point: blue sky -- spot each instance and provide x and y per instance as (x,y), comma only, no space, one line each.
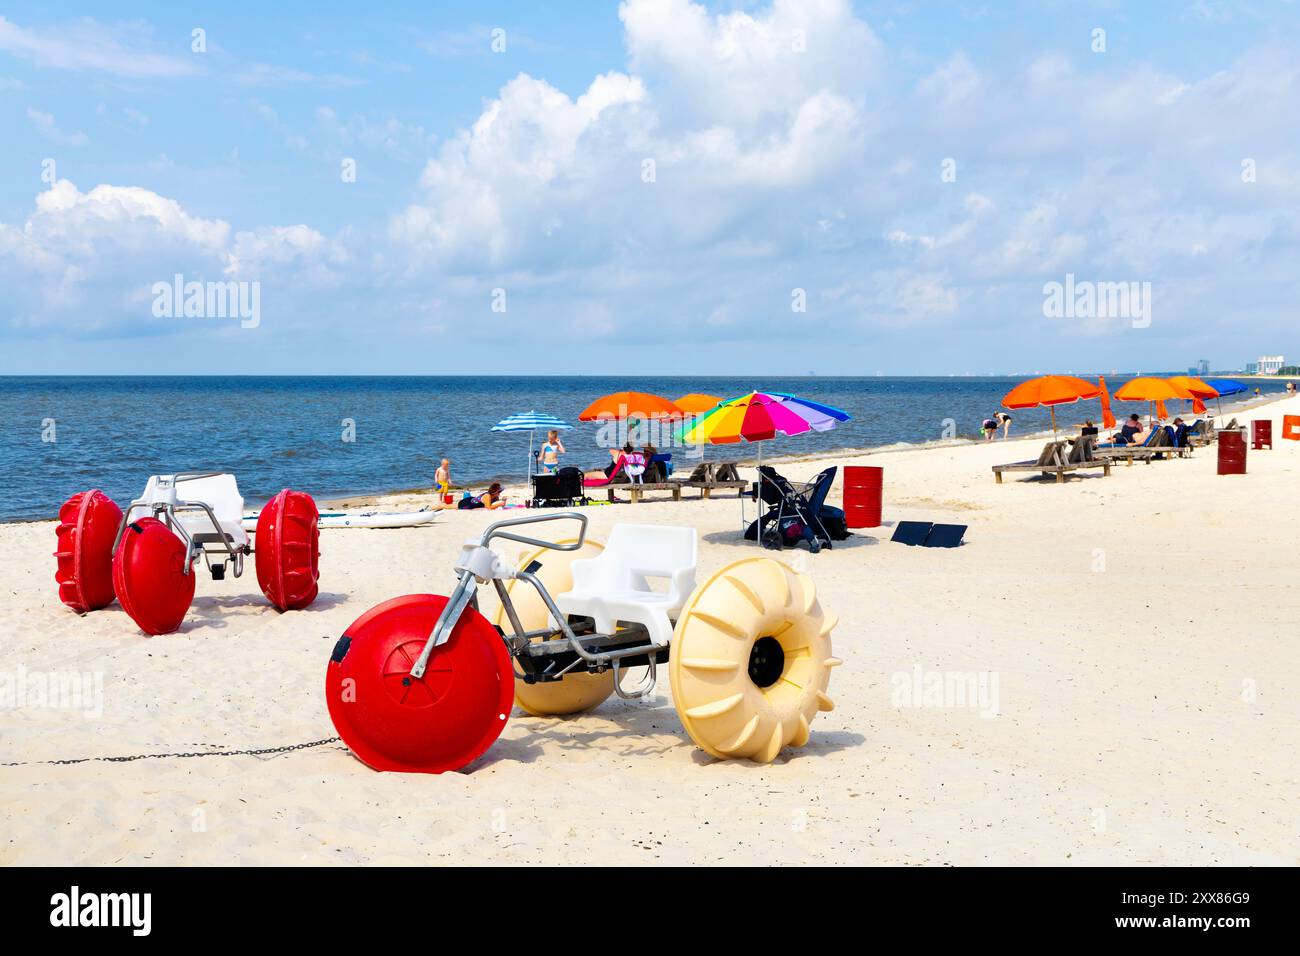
(798,154)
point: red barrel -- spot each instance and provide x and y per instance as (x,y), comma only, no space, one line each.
(862,490)
(1261,433)
(1232,453)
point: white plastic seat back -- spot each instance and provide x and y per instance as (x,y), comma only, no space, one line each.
(615,585)
(218,492)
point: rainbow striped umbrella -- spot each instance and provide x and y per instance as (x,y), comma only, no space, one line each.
(760,416)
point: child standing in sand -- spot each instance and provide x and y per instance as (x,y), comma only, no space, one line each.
(442,477)
(551,451)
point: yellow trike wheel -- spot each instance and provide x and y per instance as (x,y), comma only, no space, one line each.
(751,660)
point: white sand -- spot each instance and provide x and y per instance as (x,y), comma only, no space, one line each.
(1141,628)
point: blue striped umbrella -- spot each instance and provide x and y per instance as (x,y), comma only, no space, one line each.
(530,422)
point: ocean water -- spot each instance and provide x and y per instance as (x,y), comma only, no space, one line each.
(274,432)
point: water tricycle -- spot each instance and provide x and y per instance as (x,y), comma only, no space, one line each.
(146,556)
(426,683)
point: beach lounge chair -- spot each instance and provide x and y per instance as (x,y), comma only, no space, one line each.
(615,585)
(1161,442)
(629,476)
(617,473)
(660,467)
(796,513)
(1056,461)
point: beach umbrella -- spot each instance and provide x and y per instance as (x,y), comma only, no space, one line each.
(1225,387)
(622,405)
(758,417)
(1200,390)
(530,422)
(1107,416)
(1151,389)
(629,407)
(696,403)
(1049,391)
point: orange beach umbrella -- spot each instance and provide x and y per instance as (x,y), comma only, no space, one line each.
(697,403)
(1050,391)
(1107,416)
(623,405)
(1200,390)
(1148,388)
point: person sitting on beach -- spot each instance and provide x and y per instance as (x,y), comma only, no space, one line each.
(654,470)
(550,453)
(491,499)
(600,474)
(603,476)
(442,477)
(1129,433)
(1088,429)
(634,462)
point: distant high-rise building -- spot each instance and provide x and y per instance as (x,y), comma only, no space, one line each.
(1252,368)
(1269,364)
(1204,366)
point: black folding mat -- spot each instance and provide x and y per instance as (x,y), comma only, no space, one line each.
(929,535)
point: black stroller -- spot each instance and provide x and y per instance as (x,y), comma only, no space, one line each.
(560,490)
(796,513)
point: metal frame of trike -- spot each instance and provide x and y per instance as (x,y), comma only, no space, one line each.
(478,564)
(194,545)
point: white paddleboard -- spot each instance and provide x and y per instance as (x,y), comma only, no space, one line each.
(364,519)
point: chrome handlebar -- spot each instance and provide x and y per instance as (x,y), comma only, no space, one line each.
(494,531)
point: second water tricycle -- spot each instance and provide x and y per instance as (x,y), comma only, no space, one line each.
(425,683)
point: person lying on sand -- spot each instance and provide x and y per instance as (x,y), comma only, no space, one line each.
(490,499)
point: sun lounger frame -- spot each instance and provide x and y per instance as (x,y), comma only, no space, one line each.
(1054,461)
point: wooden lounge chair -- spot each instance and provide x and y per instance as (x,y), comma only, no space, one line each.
(636,489)
(1159,444)
(1056,461)
(708,478)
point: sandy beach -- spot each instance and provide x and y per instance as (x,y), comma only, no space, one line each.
(1136,632)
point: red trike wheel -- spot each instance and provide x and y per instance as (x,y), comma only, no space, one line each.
(149,576)
(87,525)
(287,550)
(438,722)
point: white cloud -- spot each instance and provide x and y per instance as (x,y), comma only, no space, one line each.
(84,260)
(44,123)
(87,45)
(265,74)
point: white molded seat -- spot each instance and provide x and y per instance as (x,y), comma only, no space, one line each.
(218,492)
(615,585)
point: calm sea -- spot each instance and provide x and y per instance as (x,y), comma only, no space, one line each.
(275,432)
